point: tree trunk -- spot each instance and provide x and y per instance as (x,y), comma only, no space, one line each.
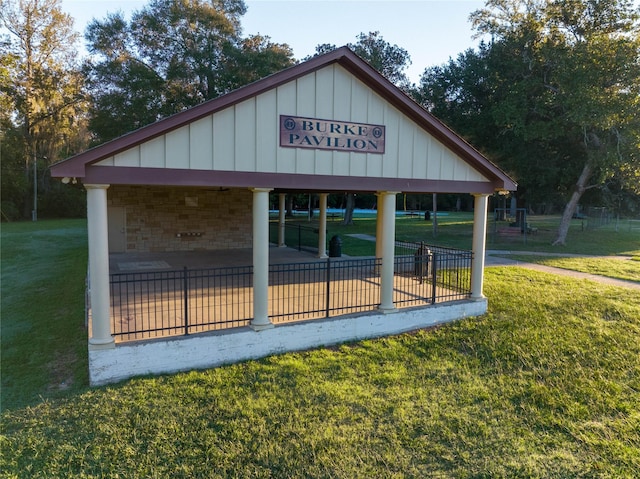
(435,215)
(289,213)
(348,210)
(570,208)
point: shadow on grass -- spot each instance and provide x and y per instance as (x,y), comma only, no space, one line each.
(44,339)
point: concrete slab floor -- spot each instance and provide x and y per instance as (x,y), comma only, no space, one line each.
(175,260)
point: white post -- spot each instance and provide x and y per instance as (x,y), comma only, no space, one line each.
(379,226)
(388,200)
(322,227)
(282,210)
(478,245)
(97,227)
(261,259)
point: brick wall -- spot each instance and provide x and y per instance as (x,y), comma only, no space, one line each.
(183,219)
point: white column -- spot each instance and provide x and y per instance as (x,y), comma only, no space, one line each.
(388,200)
(97,227)
(478,245)
(379,225)
(282,210)
(261,259)
(322,227)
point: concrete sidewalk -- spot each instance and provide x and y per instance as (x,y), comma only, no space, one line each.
(496,258)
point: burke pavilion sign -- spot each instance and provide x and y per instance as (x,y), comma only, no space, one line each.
(297,132)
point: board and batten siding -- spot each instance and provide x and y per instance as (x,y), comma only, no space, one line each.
(245,137)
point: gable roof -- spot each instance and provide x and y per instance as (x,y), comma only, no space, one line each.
(347,59)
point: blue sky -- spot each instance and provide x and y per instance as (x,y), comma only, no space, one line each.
(430,30)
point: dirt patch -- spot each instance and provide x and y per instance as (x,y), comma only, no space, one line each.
(61,371)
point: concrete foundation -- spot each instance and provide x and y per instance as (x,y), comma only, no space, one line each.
(229,346)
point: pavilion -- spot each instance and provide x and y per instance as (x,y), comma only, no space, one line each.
(200,181)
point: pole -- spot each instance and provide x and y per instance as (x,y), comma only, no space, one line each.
(260,213)
(479,245)
(34,213)
(185,286)
(435,215)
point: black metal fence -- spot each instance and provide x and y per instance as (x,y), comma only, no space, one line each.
(168,303)
(597,217)
(323,288)
(443,274)
(296,235)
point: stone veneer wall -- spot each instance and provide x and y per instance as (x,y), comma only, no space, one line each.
(162,219)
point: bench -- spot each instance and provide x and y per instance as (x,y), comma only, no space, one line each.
(517,231)
(508,232)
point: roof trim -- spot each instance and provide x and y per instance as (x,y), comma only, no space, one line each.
(76,165)
(122,175)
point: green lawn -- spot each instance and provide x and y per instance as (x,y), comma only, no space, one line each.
(44,339)
(621,237)
(544,385)
(627,268)
(456,230)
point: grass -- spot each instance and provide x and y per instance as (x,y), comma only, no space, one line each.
(627,268)
(617,238)
(456,230)
(43,334)
(541,386)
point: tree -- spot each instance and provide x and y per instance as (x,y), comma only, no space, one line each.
(553,97)
(583,57)
(390,60)
(42,91)
(474,93)
(172,55)
(462,93)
